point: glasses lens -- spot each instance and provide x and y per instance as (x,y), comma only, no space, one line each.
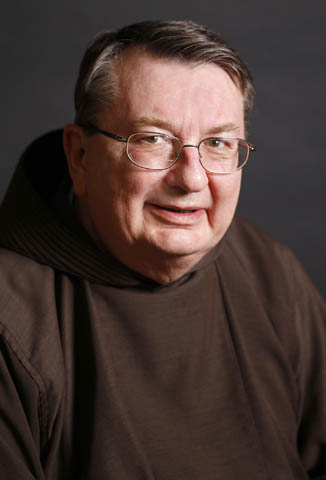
(223,155)
(154,151)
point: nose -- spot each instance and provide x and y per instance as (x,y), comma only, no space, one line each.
(187,173)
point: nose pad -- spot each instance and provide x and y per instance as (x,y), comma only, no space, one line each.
(198,156)
(188,173)
(183,153)
(187,146)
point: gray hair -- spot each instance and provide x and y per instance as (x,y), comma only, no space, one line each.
(97,85)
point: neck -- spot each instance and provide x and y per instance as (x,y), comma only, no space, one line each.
(163,271)
(152,263)
(156,265)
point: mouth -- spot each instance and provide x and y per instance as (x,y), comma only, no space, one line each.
(188,215)
(177,210)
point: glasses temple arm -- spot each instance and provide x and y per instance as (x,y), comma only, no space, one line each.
(95,129)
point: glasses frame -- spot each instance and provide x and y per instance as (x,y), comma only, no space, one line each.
(250,147)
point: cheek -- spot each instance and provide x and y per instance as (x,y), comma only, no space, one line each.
(225,192)
(124,194)
(128,203)
(138,185)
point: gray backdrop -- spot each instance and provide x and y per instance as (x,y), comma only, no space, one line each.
(284,43)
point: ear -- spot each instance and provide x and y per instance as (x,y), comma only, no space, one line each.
(75,147)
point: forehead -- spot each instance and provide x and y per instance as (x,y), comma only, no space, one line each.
(176,91)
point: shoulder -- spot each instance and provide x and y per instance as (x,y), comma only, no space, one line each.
(18,268)
(269,264)
(261,275)
(247,238)
(27,296)
(271,276)
(26,286)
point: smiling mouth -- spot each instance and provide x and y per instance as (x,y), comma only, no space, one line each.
(176,210)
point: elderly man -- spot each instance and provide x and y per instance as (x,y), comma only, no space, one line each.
(145,332)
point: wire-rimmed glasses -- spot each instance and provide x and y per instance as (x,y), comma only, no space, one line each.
(159,151)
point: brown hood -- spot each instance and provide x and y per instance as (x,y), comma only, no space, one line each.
(37,221)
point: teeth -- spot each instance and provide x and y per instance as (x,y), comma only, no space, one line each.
(180,211)
(177,210)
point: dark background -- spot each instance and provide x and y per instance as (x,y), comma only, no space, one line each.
(284,44)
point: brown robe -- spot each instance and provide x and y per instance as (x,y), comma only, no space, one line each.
(105,374)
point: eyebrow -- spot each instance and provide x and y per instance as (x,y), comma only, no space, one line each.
(152,121)
(158,123)
(224,127)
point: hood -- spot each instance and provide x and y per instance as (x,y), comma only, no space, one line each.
(38,221)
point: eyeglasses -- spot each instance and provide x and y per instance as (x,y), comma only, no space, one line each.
(158,151)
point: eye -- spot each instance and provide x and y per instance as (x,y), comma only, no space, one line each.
(215,143)
(153,139)
(146,140)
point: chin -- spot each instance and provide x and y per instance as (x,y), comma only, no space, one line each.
(183,244)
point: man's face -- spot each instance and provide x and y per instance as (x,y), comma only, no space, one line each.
(151,216)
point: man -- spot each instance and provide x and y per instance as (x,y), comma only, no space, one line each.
(146,332)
